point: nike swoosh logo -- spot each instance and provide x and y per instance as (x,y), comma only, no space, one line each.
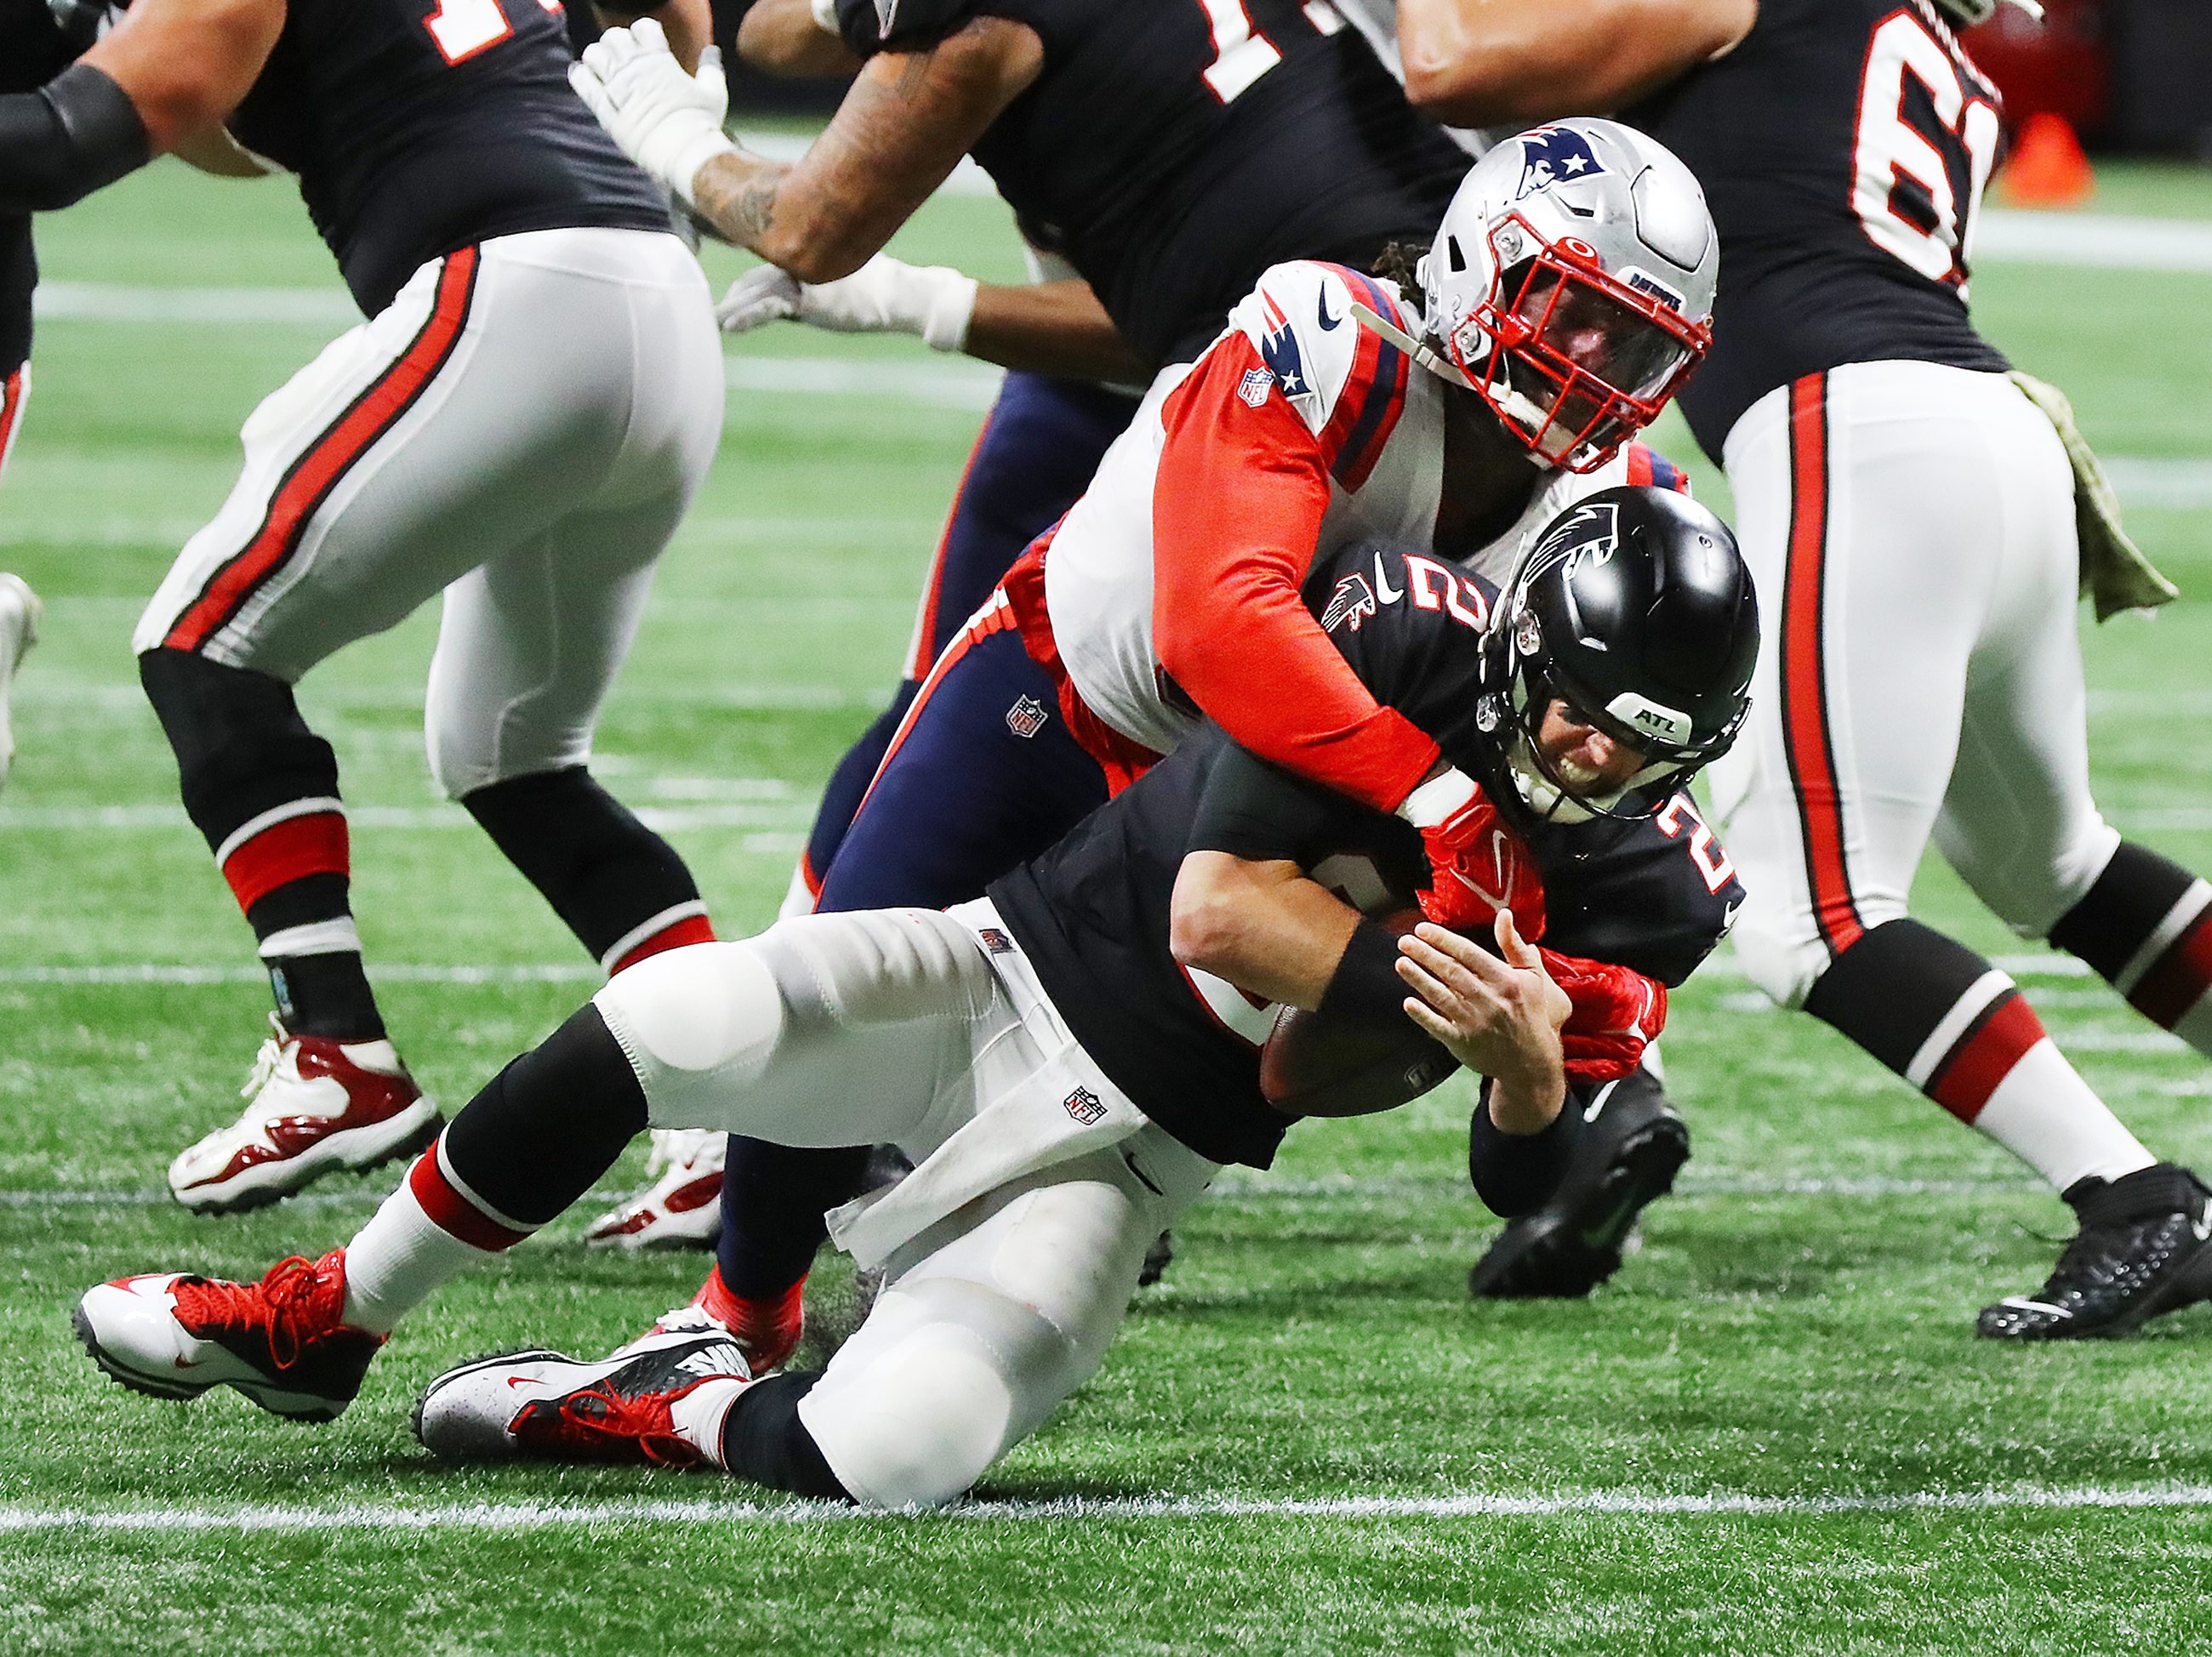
(2202,1224)
(1598,1236)
(1322,307)
(1383,590)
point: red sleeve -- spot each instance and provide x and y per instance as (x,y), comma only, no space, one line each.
(1237,511)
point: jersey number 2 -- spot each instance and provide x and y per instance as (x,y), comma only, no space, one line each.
(462,28)
(1901,183)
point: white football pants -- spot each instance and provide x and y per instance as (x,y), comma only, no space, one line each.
(1910,529)
(905,1026)
(521,428)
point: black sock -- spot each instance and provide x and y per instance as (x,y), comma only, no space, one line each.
(2146,928)
(765,1440)
(545,1130)
(605,873)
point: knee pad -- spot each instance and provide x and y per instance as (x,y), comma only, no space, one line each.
(241,747)
(705,1017)
(2031,888)
(947,1379)
(1784,967)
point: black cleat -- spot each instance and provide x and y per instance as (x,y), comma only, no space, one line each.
(1631,1145)
(2144,1249)
(1158,1258)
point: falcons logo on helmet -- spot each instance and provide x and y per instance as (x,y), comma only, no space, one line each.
(1554,154)
(1353,601)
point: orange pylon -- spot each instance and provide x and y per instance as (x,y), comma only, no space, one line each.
(2047,168)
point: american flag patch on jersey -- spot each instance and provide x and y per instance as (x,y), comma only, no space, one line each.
(1253,386)
(1084,1106)
(995,941)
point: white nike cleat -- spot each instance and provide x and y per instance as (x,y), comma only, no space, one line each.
(20,610)
(316,1106)
(282,1341)
(681,1206)
(627,1406)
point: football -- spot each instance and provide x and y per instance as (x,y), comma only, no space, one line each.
(1315,1064)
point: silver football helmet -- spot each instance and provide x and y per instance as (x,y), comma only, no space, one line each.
(1571,283)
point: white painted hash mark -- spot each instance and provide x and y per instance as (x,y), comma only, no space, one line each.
(544,1515)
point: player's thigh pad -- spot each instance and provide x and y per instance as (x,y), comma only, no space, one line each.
(966,1352)
(1865,512)
(499,393)
(828,1030)
(2018,823)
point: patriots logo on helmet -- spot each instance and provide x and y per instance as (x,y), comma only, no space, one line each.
(1556,155)
(1353,601)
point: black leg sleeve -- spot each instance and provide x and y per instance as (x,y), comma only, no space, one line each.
(548,1127)
(765,1440)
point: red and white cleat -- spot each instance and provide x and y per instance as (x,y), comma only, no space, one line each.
(316,1106)
(681,1207)
(627,1406)
(282,1342)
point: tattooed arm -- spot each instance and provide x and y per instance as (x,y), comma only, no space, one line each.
(903,126)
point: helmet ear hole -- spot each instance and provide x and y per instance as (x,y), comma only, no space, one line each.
(1453,258)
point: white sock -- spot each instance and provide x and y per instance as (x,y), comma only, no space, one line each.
(698,1416)
(396,1260)
(2046,1115)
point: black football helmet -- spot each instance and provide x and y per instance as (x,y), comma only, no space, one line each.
(1635,608)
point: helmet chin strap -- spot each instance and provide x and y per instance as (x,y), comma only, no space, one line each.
(1422,354)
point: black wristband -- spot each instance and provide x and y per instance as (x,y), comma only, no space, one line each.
(1366,984)
(1517,1174)
(59,144)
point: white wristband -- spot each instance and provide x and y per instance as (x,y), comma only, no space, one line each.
(949,304)
(1436,800)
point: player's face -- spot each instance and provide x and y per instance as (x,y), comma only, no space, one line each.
(1590,762)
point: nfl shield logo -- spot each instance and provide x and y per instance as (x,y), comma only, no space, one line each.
(1026,716)
(1084,1106)
(1254,388)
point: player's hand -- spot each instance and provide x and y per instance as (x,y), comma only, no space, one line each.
(1499,1014)
(758,297)
(1478,867)
(1617,1012)
(884,296)
(668,122)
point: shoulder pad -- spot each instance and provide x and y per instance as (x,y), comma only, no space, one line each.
(1299,320)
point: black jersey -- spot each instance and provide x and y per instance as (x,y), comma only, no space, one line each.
(31,52)
(1843,147)
(1092,914)
(1171,150)
(416,129)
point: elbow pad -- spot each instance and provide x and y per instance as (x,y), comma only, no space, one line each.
(75,134)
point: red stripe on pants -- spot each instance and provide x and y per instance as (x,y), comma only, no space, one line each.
(327,459)
(316,844)
(1804,708)
(1970,1073)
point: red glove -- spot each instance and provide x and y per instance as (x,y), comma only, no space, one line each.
(1618,1013)
(1477,865)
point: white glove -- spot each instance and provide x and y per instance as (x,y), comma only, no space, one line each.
(668,122)
(884,296)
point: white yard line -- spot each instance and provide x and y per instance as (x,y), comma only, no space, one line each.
(2108,241)
(546,1515)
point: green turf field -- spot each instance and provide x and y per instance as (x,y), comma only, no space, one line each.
(1773,1431)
